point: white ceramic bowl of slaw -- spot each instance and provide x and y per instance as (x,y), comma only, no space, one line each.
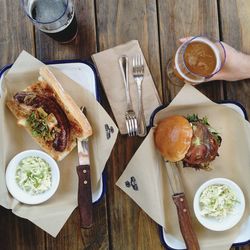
(42,192)
(231,216)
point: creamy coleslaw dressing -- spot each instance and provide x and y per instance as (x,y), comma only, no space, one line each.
(33,175)
(218,201)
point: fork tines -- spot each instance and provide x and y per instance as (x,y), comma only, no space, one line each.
(138,65)
(131,122)
(130,117)
(138,74)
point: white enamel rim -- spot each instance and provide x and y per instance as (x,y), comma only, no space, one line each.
(20,194)
(84,75)
(227,222)
(243,235)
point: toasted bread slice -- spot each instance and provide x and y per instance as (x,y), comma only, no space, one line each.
(48,85)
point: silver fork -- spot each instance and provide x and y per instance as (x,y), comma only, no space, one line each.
(138,73)
(130,117)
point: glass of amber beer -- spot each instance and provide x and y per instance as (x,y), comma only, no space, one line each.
(195,61)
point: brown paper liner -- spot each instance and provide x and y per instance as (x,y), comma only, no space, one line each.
(111,77)
(15,139)
(154,194)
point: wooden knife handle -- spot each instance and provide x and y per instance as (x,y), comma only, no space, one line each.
(185,222)
(85,196)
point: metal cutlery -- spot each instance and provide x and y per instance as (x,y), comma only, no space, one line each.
(180,201)
(130,117)
(138,74)
(84,182)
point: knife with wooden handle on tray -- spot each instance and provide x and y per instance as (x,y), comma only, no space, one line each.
(172,138)
(180,201)
(84,183)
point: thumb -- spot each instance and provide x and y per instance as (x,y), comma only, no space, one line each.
(185,39)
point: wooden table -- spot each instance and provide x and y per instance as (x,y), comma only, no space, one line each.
(118,222)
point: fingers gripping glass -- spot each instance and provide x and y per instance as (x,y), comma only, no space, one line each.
(195,61)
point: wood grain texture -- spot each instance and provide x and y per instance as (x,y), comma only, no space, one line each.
(123,213)
(125,20)
(19,234)
(16,32)
(158,24)
(125,218)
(71,237)
(179,19)
(82,47)
(235,30)
(117,23)
(85,207)
(185,221)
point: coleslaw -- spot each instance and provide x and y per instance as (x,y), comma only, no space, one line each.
(217,201)
(33,175)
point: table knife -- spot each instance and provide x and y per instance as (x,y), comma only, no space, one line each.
(180,201)
(84,184)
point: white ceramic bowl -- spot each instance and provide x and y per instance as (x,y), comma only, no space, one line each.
(22,195)
(230,220)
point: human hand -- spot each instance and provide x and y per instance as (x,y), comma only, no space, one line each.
(236,67)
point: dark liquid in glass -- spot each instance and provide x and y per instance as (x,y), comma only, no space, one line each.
(67,34)
(64,35)
(200,58)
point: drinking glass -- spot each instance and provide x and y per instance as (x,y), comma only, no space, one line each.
(56,18)
(195,61)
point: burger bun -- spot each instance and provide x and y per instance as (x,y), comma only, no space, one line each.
(173,137)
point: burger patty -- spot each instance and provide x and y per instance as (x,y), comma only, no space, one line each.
(204,146)
(50,105)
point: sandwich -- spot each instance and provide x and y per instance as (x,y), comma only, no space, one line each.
(188,139)
(50,115)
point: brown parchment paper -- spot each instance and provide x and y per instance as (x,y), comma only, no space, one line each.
(111,77)
(154,194)
(14,139)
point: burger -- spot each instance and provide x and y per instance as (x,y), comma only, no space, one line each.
(49,115)
(188,139)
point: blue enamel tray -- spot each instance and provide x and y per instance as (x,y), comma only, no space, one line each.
(84,73)
(168,240)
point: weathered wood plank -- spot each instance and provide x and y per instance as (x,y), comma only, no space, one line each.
(182,19)
(117,23)
(122,21)
(235,30)
(129,226)
(19,234)
(71,236)
(16,32)
(16,35)
(82,47)
(178,19)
